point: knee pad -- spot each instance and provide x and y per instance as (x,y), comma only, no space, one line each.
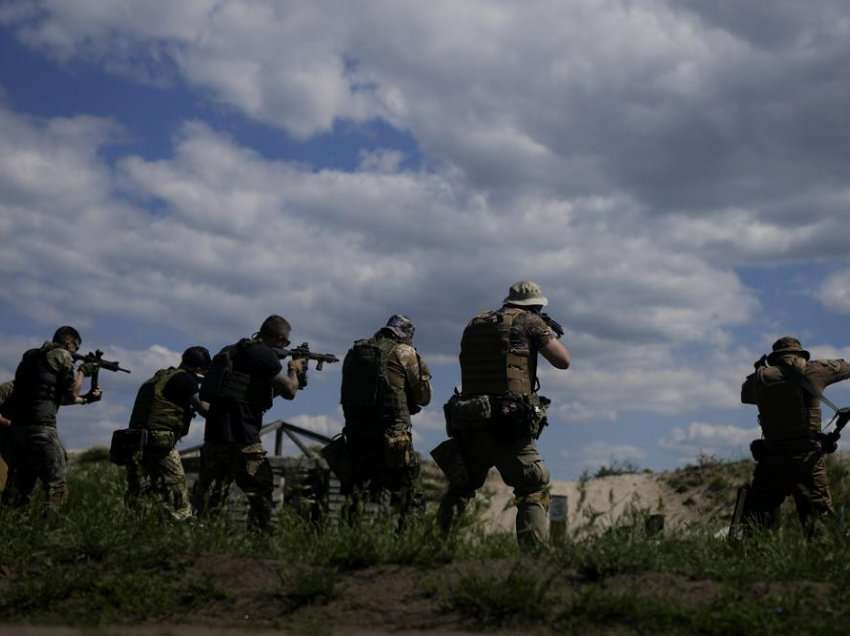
(541,498)
(535,476)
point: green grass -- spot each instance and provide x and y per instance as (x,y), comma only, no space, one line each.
(101,564)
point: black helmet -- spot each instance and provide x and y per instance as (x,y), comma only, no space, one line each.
(196,358)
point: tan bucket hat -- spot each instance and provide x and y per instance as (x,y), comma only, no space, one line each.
(526,293)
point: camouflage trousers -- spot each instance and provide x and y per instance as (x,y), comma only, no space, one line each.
(36,455)
(159,475)
(520,465)
(382,475)
(801,476)
(223,463)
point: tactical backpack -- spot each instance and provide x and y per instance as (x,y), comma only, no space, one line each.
(365,388)
(222,382)
(490,364)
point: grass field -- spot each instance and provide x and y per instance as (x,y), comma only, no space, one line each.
(101,565)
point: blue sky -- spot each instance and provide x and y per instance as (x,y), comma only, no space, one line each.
(675,179)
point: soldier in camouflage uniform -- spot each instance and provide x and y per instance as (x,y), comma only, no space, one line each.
(44,380)
(790,461)
(384,382)
(499,415)
(164,407)
(243,380)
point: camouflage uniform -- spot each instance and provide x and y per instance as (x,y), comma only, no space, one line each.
(159,471)
(505,374)
(223,463)
(791,462)
(44,379)
(385,466)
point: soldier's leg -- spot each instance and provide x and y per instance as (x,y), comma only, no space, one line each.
(50,463)
(474,455)
(767,492)
(212,473)
(133,493)
(170,482)
(811,493)
(522,468)
(26,467)
(256,479)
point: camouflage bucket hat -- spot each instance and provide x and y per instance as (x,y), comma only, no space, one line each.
(788,344)
(526,292)
(401,326)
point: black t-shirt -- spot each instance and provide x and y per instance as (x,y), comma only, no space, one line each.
(181,388)
(231,421)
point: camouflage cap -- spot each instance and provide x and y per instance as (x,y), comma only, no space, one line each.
(401,326)
(526,293)
(788,344)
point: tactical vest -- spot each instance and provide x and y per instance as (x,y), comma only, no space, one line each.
(494,355)
(153,411)
(35,399)
(369,400)
(226,381)
(786,410)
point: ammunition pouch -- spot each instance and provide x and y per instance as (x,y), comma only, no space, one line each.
(520,416)
(338,456)
(398,449)
(127,446)
(467,414)
(450,460)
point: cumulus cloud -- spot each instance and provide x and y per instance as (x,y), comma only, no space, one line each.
(710,439)
(683,107)
(834,293)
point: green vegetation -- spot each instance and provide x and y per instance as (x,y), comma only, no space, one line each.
(103,565)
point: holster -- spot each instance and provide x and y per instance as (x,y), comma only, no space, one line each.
(160,441)
(128,445)
(449,458)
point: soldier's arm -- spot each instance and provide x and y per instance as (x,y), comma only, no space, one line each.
(556,354)
(286,382)
(406,369)
(70,381)
(822,373)
(199,406)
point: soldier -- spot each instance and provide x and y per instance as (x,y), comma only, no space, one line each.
(164,407)
(242,382)
(786,387)
(384,382)
(44,380)
(499,415)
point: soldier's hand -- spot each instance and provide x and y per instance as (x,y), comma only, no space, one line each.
(95,395)
(299,365)
(4,422)
(424,371)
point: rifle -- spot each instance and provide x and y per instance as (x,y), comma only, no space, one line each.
(92,363)
(303,351)
(554,325)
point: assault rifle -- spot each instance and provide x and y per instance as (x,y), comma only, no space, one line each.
(92,363)
(303,351)
(554,325)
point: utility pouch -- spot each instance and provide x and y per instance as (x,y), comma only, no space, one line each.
(397,449)
(338,456)
(450,460)
(160,441)
(127,445)
(471,413)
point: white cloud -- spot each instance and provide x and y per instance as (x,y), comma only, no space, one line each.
(834,293)
(711,439)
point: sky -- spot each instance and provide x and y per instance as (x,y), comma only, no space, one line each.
(674,174)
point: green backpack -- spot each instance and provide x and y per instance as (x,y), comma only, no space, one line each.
(364,380)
